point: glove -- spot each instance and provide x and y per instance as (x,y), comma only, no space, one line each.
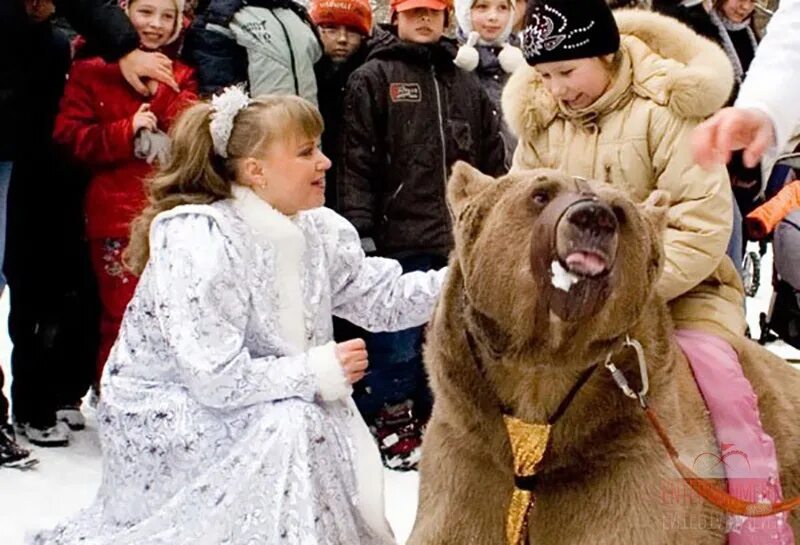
(755,229)
(511,58)
(152,146)
(468,57)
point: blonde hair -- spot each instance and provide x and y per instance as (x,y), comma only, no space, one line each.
(194,174)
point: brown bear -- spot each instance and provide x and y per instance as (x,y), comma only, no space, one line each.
(550,274)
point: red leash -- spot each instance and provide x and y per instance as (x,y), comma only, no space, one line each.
(710,491)
(706,488)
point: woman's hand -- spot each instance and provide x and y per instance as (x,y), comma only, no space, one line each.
(729,130)
(137,66)
(144,119)
(353,357)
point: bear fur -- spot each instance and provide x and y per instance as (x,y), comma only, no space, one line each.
(497,345)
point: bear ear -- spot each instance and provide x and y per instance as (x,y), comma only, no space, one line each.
(465,183)
(656,207)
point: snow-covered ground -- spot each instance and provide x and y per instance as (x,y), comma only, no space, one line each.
(67,478)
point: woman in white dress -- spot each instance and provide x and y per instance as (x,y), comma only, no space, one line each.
(225,415)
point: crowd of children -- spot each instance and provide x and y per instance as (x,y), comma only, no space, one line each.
(218,270)
(385,93)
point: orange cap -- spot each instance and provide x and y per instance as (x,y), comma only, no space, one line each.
(356,14)
(403,5)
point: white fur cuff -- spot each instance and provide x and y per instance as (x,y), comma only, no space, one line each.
(331,381)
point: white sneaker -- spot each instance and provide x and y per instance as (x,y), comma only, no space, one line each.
(72,416)
(54,436)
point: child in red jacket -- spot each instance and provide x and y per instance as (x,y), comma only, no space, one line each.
(119,135)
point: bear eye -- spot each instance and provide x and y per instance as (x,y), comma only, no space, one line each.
(540,198)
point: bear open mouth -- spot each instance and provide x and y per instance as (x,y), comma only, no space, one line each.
(586,263)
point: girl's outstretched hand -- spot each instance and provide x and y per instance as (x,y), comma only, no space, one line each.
(353,357)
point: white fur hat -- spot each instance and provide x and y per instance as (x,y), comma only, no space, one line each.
(179,4)
(462,9)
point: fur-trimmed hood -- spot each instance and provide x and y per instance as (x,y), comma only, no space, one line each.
(671,65)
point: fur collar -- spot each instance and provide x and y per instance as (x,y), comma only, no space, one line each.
(287,238)
(671,65)
(264,219)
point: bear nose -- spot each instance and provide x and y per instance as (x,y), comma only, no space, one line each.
(592,216)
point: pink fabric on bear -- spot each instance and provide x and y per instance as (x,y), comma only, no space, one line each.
(752,466)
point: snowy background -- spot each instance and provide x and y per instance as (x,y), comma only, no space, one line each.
(67,478)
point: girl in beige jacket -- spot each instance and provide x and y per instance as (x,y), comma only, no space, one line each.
(615,98)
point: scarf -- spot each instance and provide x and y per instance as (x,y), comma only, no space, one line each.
(724,25)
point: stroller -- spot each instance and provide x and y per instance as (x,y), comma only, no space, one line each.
(783,319)
(749,199)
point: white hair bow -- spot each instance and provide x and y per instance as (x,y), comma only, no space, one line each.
(224,108)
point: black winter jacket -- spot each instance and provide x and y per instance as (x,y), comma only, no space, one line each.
(695,17)
(410,113)
(494,78)
(331,82)
(101,22)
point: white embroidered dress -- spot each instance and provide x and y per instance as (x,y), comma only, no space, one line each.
(225,417)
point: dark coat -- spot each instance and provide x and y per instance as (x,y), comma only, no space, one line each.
(494,78)
(211,49)
(25,43)
(102,23)
(410,113)
(695,17)
(331,81)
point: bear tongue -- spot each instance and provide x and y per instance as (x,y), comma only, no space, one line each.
(585,263)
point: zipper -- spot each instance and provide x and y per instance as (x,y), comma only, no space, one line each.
(396,192)
(391,200)
(443,142)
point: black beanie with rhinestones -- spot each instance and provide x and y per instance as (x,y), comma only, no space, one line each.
(562,30)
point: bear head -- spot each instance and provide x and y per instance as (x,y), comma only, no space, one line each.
(538,249)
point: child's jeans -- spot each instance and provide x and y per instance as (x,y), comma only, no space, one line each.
(115,286)
(396,372)
(734,414)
